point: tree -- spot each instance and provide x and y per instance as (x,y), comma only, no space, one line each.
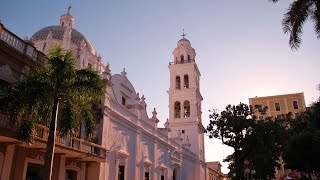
(298,12)
(231,126)
(264,146)
(302,150)
(259,142)
(56,86)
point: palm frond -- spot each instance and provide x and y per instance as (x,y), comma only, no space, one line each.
(89,84)
(293,21)
(316,18)
(89,123)
(68,120)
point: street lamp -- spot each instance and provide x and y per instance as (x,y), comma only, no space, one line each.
(249,170)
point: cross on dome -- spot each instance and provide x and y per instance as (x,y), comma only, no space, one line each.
(183,34)
(69,7)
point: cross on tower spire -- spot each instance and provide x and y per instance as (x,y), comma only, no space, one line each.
(69,7)
(183,34)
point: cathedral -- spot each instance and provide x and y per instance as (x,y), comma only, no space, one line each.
(134,146)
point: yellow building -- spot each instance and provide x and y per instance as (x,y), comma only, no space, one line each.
(278,105)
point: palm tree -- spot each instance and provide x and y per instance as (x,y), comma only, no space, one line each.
(56,86)
(298,12)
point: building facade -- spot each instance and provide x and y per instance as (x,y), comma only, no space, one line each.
(129,142)
(214,169)
(279,104)
(75,158)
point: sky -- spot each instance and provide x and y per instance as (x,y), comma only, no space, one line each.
(241,49)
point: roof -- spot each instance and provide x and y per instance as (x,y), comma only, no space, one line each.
(57,33)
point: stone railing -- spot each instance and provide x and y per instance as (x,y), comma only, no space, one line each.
(20,45)
(41,132)
(182,61)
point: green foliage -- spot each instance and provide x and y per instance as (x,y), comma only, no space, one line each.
(32,100)
(302,150)
(259,142)
(298,12)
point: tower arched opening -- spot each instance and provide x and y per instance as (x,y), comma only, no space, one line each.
(178,82)
(186,109)
(177,109)
(186,81)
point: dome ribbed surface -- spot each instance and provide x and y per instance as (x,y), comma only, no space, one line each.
(57,33)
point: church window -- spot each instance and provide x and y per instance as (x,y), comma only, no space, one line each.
(182,131)
(186,81)
(178,84)
(89,65)
(62,24)
(121,172)
(177,110)
(186,108)
(146,175)
(162,177)
(123,101)
(174,174)
(189,58)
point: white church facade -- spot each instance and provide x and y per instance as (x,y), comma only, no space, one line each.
(137,148)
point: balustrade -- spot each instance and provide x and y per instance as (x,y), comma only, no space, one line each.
(17,43)
(41,132)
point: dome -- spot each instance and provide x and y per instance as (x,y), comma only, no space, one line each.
(57,33)
(184,42)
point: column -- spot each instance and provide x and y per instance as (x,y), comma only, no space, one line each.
(155,175)
(83,171)
(179,172)
(137,157)
(62,167)
(8,162)
(117,169)
(126,169)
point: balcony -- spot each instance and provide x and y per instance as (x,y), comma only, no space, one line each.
(182,61)
(23,47)
(71,146)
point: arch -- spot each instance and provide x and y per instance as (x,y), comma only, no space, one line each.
(73,172)
(178,82)
(182,58)
(177,109)
(186,109)
(189,58)
(186,81)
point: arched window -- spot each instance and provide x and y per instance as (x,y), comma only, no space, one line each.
(181,58)
(177,110)
(186,109)
(186,81)
(178,82)
(189,58)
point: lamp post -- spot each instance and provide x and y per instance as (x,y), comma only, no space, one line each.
(248,170)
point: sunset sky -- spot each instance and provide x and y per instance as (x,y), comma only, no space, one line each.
(241,49)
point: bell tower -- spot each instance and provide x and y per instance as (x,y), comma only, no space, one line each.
(185,99)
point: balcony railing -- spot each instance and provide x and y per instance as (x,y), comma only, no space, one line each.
(182,61)
(20,45)
(41,132)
